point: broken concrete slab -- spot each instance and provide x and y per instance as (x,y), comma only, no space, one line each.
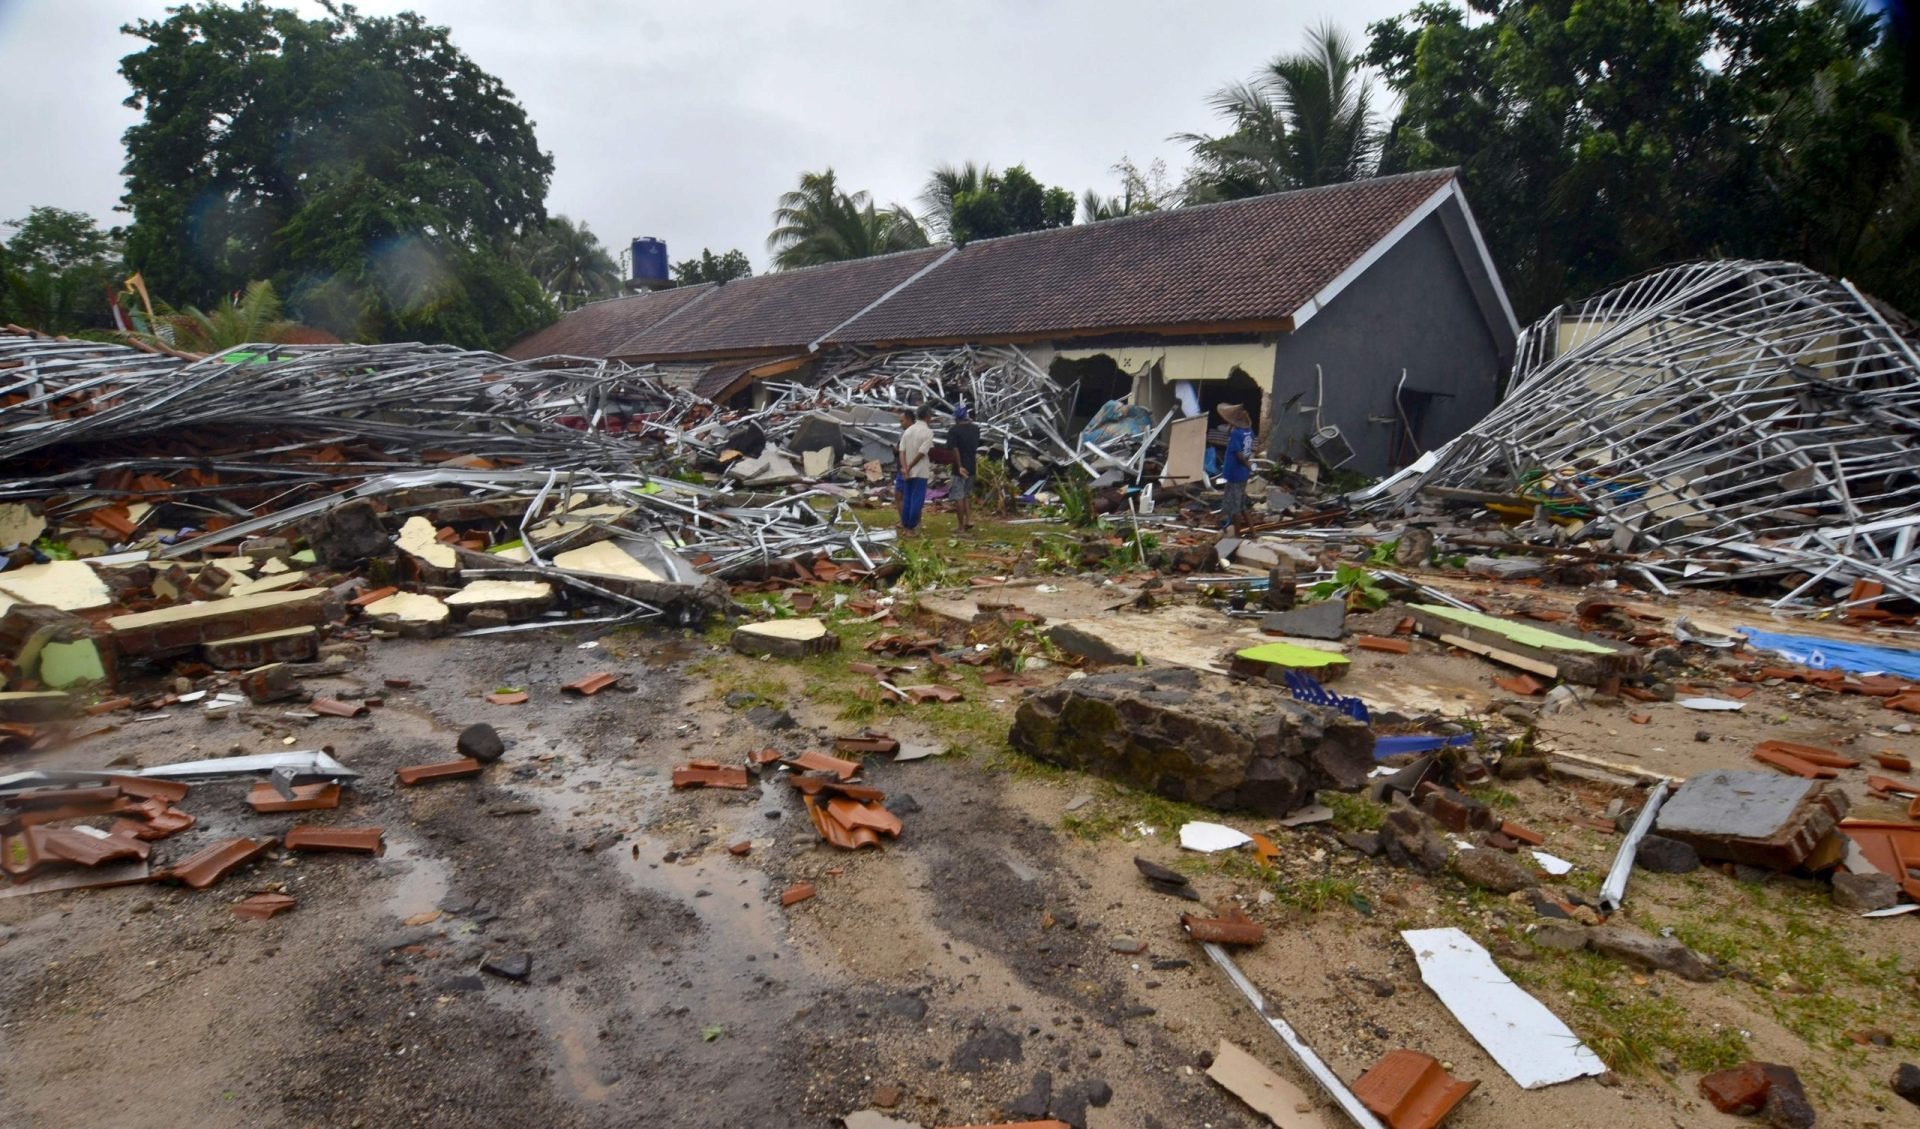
(1864,892)
(1323,619)
(347,534)
(516,600)
(287,645)
(1644,950)
(1195,738)
(606,559)
(1756,818)
(412,614)
(192,625)
(64,665)
(68,586)
(1491,870)
(785,638)
(421,541)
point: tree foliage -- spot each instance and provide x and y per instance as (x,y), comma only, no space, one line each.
(1005,203)
(254,317)
(710,267)
(57,270)
(365,165)
(1141,190)
(1305,120)
(818,223)
(1601,138)
(568,260)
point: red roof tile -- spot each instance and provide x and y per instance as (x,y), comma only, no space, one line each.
(777,312)
(1254,260)
(595,328)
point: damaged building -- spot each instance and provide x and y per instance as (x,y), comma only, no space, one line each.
(1361,324)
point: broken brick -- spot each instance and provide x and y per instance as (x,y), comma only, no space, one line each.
(1740,1091)
(355,840)
(1382,644)
(797,893)
(444,770)
(1525,685)
(707,774)
(1233,927)
(260,907)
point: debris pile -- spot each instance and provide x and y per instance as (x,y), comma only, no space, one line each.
(1727,420)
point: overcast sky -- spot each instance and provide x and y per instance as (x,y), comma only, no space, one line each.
(687,120)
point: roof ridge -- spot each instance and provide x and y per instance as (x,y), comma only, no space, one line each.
(1450,172)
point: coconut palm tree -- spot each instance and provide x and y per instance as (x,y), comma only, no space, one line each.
(253,318)
(1306,120)
(818,223)
(566,258)
(946,183)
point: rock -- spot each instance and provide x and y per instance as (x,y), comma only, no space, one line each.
(347,534)
(1491,870)
(1740,1091)
(906,1006)
(1753,818)
(1408,840)
(785,638)
(1864,892)
(1644,950)
(1323,619)
(1164,880)
(1560,936)
(766,717)
(740,699)
(903,804)
(1521,768)
(1662,855)
(1098,1092)
(985,1048)
(481,618)
(481,742)
(1197,739)
(1906,1082)
(1127,945)
(512,966)
(1366,842)
(1034,1104)
(1787,1105)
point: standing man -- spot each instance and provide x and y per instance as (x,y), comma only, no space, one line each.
(916,462)
(1239,463)
(964,438)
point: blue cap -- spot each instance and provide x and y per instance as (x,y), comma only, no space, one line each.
(959,412)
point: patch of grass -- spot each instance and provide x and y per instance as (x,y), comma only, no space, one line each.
(1354,812)
(1498,798)
(1631,1029)
(1314,894)
(1118,811)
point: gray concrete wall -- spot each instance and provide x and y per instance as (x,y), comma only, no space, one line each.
(1413,309)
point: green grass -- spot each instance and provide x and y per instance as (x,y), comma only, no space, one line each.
(1632,1029)
(1354,812)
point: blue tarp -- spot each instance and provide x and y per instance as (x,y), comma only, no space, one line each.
(1830,654)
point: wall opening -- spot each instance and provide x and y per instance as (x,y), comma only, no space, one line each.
(1100,379)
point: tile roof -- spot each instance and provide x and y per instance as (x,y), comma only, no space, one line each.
(1243,261)
(777,312)
(595,328)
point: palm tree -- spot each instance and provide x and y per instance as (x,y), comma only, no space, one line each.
(250,319)
(568,260)
(817,223)
(1306,120)
(946,183)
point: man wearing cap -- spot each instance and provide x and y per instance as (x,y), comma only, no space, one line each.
(1239,463)
(964,438)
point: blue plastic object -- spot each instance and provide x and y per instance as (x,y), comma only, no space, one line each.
(1831,654)
(649,260)
(1306,688)
(1384,747)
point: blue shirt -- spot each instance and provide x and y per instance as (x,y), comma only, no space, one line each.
(1239,466)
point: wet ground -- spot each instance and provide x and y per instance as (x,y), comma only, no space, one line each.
(668,986)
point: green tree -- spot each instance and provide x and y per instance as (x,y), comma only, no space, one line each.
(945,184)
(252,318)
(1141,190)
(568,260)
(1306,120)
(1602,138)
(818,223)
(1006,203)
(365,165)
(57,271)
(710,267)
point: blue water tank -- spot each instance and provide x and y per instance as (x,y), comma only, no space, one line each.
(649,260)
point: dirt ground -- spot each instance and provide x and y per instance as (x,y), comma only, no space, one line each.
(670,988)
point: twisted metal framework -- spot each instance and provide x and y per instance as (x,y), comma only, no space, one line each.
(1739,419)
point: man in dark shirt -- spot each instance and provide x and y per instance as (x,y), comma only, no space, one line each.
(964,438)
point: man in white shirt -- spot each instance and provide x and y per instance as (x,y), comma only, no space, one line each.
(916,463)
